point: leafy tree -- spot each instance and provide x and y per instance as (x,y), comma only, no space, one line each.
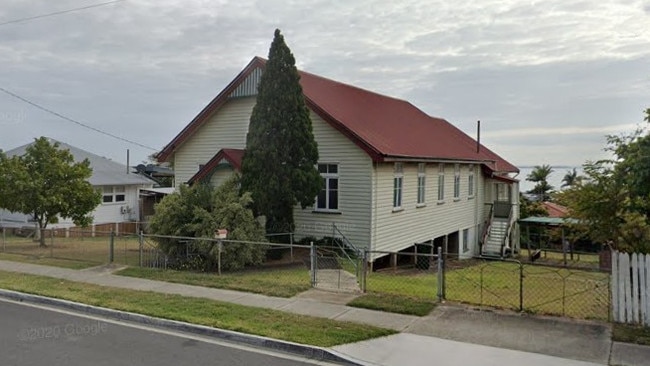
(197,212)
(47,184)
(530,208)
(539,175)
(613,202)
(278,167)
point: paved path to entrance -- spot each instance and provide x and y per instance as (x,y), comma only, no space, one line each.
(337,280)
(449,335)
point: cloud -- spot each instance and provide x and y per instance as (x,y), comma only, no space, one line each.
(528,70)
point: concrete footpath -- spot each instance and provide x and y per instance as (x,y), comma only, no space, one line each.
(450,335)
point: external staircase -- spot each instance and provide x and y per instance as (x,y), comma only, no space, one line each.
(495,240)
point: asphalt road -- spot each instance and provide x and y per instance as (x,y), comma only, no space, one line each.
(37,336)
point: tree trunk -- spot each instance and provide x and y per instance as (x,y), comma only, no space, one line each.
(41,229)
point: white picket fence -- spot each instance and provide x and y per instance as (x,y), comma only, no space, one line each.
(631,288)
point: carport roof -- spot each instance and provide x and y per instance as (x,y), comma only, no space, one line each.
(547,221)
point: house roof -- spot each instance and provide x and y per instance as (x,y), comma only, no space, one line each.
(232,156)
(386,128)
(555,210)
(14,219)
(105,171)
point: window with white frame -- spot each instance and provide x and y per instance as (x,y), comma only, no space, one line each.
(398,182)
(456,181)
(328,198)
(441,182)
(465,240)
(470,181)
(422,179)
(112,194)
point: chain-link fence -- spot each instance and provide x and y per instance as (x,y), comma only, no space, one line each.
(552,284)
(531,287)
(278,269)
(80,247)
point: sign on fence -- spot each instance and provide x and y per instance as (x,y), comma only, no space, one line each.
(631,288)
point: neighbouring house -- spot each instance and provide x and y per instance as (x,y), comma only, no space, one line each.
(120,188)
(393,176)
(555,209)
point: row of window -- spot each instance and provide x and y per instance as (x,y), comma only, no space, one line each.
(398,183)
(112,194)
(328,198)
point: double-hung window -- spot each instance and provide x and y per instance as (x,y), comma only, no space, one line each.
(422,183)
(398,186)
(456,181)
(441,182)
(328,198)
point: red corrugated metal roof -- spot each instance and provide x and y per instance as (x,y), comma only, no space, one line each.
(233,156)
(386,128)
(554,209)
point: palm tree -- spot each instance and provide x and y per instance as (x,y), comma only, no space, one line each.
(539,175)
(570,178)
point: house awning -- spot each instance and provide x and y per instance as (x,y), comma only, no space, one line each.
(163,191)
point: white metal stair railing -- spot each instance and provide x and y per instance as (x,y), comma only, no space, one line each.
(348,250)
(498,231)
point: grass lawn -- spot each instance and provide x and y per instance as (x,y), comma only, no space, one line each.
(631,334)
(258,321)
(281,282)
(55,262)
(577,257)
(546,290)
(422,285)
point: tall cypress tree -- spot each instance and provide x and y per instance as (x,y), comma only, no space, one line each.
(279,165)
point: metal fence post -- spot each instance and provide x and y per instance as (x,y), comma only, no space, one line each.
(51,243)
(111,247)
(140,249)
(312,254)
(441,276)
(4,239)
(219,249)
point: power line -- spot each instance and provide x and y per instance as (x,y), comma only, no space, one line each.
(59,12)
(72,120)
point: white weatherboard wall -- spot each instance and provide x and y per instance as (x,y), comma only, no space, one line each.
(355,180)
(631,288)
(227,128)
(112,212)
(394,230)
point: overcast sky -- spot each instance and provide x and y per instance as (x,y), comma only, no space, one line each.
(548,79)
